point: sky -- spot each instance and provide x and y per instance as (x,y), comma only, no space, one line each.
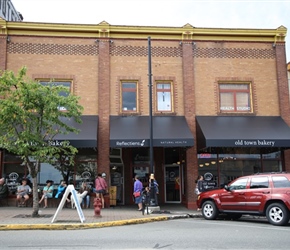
(249,14)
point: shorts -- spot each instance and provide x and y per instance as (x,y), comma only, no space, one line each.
(101,191)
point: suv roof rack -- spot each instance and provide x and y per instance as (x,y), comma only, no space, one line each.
(282,172)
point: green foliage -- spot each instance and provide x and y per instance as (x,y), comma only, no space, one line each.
(30,117)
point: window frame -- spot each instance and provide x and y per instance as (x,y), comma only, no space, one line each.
(122,110)
(159,90)
(58,83)
(235,92)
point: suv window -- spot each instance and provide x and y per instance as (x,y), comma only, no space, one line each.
(239,184)
(260,182)
(280,181)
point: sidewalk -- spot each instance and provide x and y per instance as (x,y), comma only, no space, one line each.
(15,218)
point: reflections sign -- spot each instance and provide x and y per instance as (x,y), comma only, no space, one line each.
(129,143)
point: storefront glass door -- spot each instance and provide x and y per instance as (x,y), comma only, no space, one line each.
(172,184)
(116,180)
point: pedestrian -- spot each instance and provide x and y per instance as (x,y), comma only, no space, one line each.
(3,189)
(47,193)
(154,190)
(199,185)
(23,192)
(138,186)
(101,188)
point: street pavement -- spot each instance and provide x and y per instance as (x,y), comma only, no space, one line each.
(19,218)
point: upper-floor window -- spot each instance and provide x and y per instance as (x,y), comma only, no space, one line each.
(66,84)
(235,97)
(164,96)
(129,96)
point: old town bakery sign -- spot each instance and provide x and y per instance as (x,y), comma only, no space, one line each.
(257,143)
(57,143)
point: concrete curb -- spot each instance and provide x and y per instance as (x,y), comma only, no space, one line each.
(80,225)
(75,226)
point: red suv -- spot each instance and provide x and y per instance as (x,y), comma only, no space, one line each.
(264,194)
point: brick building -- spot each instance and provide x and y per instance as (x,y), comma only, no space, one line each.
(220,100)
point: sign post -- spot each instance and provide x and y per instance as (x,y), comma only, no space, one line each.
(70,189)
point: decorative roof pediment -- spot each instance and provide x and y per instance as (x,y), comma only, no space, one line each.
(188,25)
(104,23)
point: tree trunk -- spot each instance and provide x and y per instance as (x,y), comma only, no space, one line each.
(33,169)
(35,197)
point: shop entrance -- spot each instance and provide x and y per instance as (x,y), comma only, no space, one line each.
(172,184)
(116,180)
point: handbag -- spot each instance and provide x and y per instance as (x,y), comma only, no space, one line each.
(137,194)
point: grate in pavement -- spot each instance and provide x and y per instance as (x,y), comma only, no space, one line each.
(30,216)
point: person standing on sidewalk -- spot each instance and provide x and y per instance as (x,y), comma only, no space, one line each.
(138,186)
(101,188)
(154,190)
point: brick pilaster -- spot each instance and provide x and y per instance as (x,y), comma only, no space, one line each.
(104,106)
(283,90)
(189,111)
(3,52)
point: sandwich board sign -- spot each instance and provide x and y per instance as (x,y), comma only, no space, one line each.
(70,189)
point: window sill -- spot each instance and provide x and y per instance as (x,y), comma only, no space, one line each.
(165,113)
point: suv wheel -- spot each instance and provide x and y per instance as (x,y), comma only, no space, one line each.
(209,210)
(277,214)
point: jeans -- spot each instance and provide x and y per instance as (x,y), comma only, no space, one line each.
(86,201)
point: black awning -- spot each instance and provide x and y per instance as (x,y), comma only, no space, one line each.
(134,131)
(242,131)
(87,136)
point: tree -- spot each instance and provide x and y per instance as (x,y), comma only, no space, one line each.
(31,115)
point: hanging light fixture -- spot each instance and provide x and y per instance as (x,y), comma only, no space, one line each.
(201,165)
(213,162)
(207,164)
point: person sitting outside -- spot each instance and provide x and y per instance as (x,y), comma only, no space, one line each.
(3,189)
(61,189)
(23,193)
(86,198)
(47,193)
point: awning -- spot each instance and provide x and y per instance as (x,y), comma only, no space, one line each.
(242,131)
(134,131)
(87,136)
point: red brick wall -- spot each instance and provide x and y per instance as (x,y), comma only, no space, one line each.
(3,54)
(283,90)
(235,61)
(69,58)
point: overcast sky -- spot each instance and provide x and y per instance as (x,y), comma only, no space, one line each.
(256,14)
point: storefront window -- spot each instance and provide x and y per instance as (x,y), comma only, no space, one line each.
(85,168)
(240,162)
(141,164)
(49,172)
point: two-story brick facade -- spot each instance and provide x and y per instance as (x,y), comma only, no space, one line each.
(220,100)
